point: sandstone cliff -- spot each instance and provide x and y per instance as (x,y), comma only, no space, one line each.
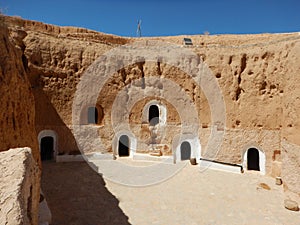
(257,75)
(20,174)
(17,113)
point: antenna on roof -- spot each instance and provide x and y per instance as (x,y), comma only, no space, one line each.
(139,31)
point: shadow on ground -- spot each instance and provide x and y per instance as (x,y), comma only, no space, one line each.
(77,195)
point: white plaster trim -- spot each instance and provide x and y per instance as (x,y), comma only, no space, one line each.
(218,166)
(49,133)
(146,157)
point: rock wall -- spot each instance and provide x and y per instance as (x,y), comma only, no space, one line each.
(250,70)
(55,58)
(20,174)
(291,126)
(19,187)
(257,75)
(17,102)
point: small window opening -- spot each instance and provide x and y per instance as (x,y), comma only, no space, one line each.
(153,115)
(92,115)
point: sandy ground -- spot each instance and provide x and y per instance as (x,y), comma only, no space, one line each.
(78,195)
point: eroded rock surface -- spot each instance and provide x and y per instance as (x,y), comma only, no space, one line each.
(17,112)
(19,187)
(257,75)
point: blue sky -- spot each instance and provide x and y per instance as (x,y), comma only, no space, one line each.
(164,17)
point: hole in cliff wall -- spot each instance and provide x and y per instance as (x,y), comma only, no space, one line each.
(239,79)
(47,148)
(230,59)
(218,75)
(159,72)
(185,150)
(123,74)
(153,116)
(25,62)
(243,63)
(141,68)
(253,159)
(264,55)
(92,115)
(123,148)
(204,125)
(238,93)
(263,86)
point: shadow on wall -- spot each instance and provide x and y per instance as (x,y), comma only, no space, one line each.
(77,195)
(47,118)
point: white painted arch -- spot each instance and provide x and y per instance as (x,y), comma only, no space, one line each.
(192,140)
(132,142)
(261,154)
(49,133)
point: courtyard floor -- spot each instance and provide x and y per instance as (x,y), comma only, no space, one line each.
(77,195)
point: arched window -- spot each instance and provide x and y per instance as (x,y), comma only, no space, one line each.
(253,159)
(153,115)
(185,150)
(47,148)
(123,146)
(92,115)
